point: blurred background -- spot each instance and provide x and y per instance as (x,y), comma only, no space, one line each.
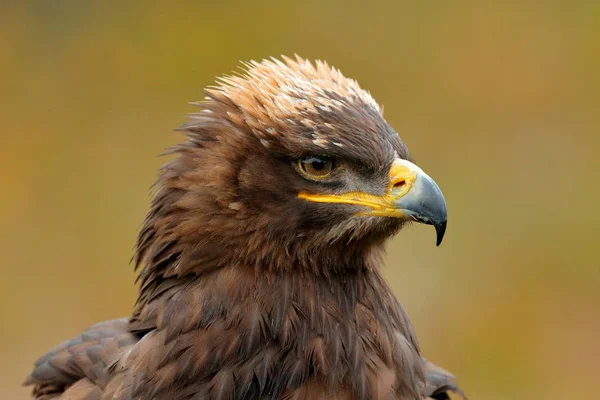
(498,101)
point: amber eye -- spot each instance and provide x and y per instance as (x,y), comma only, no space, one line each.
(316,167)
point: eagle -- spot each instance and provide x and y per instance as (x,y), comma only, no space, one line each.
(259,261)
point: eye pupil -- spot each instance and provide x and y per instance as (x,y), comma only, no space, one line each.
(318,164)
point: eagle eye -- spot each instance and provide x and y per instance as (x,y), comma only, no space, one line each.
(316,167)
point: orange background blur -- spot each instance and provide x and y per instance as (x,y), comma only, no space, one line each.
(498,101)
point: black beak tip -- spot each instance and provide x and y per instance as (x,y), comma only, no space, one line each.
(440,230)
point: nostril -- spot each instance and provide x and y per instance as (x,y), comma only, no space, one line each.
(399,184)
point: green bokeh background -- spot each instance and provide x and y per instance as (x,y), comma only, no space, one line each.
(498,101)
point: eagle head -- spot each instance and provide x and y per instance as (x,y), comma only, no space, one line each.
(288,163)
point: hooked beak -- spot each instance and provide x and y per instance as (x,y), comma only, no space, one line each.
(410,194)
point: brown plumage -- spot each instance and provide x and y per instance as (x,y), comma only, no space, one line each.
(260,279)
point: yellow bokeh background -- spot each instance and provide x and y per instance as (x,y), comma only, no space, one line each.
(498,101)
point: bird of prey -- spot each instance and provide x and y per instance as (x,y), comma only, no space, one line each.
(260,258)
